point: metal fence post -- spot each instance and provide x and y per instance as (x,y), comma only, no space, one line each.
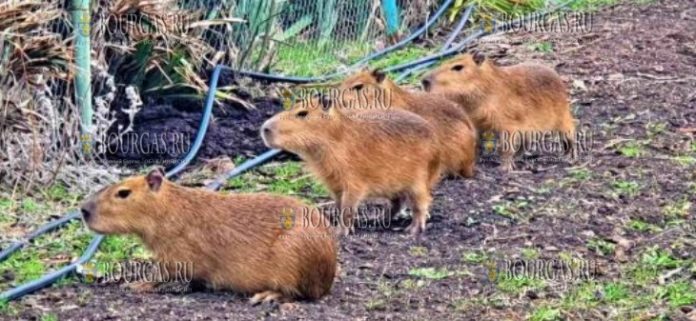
(81,19)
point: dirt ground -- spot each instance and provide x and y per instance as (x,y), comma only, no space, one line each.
(632,80)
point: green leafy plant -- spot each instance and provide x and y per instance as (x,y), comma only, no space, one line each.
(678,294)
(546,313)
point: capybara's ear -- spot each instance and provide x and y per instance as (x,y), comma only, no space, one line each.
(155,178)
(379,75)
(479,58)
(326,102)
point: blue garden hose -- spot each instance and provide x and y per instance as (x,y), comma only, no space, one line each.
(52,277)
(447,45)
(46,228)
(477,34)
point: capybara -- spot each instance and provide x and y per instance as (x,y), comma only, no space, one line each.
(455,133)
(371,154)
(518,101)
(238,242)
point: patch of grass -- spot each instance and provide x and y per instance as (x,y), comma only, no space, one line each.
(518,284)
(29,205)
(584,295)
(288,170)
(430,273)
(631,149)
(656,128)
(530,253)
(60,193)
(474,257)
(626,188)
(543,47)
(601,247)
(546,313)
(289,179)
(286,178)
(677,294)
(119,248)
(410,284)
(48,252)
(24,267)
(642,226)
(659,259)
(398,57)
(511,209)
(678,209)
(7,309)
(6,206)
(49,317)
(375,304)
(54,250)
(418,251)
(590,5)
(241,184)
(580,174)
(303,59)
(684,160)
(614,292)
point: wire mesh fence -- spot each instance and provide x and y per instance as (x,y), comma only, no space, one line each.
(298,37)
(144,50)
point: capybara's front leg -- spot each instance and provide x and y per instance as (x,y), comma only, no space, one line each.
(266,297)
(142,287)
(348,211)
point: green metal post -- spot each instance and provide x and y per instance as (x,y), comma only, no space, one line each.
(81,18)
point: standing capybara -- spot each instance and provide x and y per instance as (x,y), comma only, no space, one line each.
(239,242)
(516,102)
(455,133)
(371,154)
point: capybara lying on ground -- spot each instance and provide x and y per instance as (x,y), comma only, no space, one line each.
(232,241)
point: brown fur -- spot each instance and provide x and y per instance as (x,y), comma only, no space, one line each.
(373,154)
(520,98)
(455,133)
(233,241)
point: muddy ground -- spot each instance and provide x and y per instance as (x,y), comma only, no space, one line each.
(632,80)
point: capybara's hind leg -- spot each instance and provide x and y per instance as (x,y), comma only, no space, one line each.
(421,203)
(467,168)
(570,151)
(507,162)
(395,205)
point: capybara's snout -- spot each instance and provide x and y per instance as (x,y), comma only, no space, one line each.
(268,132)
(88,208)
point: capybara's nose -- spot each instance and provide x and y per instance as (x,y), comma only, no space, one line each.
(426,83)
(266,130)
(88,209)
(85,214)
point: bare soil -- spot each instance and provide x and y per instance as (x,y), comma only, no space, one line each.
(632,78)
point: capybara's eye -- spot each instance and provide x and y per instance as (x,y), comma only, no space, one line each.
(302,114)
(458,67)
(123,193)
(358,87)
